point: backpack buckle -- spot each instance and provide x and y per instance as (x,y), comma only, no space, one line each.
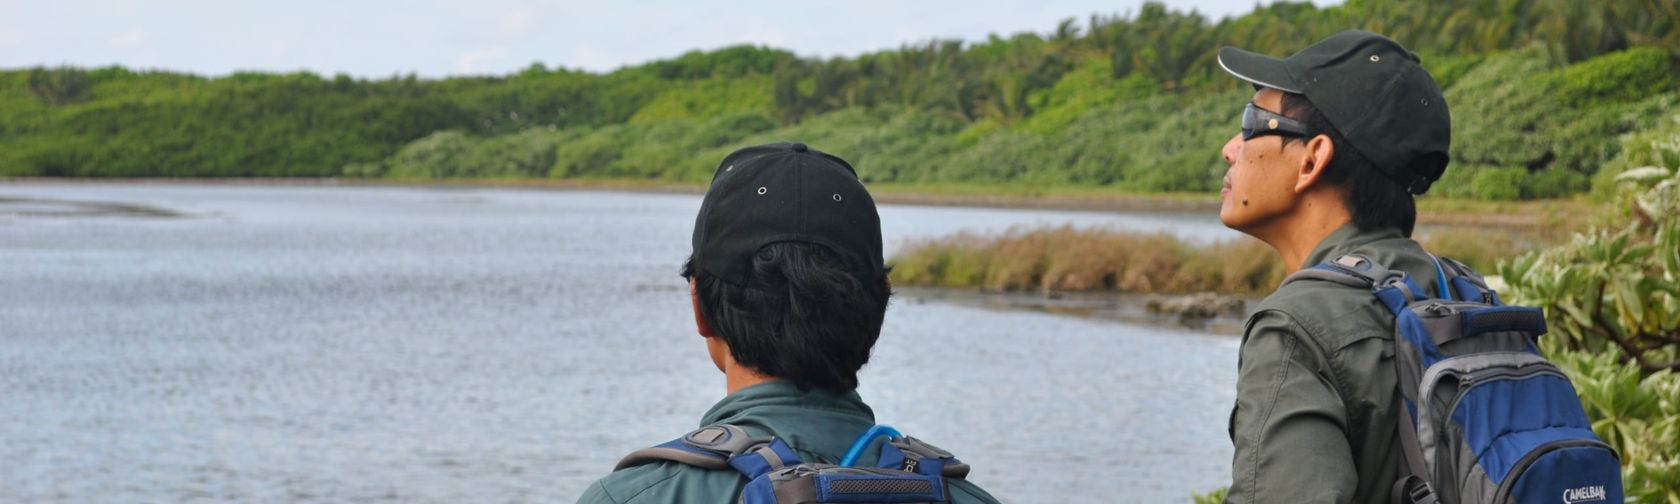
(1421,494)
(1366,269)
(724,439)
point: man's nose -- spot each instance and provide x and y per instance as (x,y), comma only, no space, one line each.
(1230,150)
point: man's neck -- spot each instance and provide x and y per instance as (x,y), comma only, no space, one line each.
(1295,238)
(737,377)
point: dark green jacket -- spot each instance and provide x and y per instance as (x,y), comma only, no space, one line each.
(819,425)
(1316,385)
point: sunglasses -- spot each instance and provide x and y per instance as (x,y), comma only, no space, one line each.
(1257,121)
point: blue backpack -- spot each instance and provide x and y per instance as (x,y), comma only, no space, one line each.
(1485,418)
(909,470)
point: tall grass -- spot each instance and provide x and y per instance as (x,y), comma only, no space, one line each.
(1104,259)
(1087,259)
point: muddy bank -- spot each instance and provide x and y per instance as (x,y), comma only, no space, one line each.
(37,207)
(1213,313)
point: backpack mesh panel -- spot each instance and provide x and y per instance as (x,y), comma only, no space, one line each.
(853,486)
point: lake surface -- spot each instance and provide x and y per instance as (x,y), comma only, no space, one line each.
(375,344)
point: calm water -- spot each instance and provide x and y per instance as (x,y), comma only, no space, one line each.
(489,345)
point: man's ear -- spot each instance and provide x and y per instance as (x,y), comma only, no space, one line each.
(1319,152)
(699,319)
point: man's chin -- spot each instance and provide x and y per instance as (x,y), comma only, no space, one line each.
(1237,222)
(1227,216)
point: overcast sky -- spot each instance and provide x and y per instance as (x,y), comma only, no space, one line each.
(379,38)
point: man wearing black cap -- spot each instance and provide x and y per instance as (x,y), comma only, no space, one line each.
(1336,141)
(789,291)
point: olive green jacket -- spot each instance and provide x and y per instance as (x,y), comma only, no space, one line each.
(1315,415)
(819,425)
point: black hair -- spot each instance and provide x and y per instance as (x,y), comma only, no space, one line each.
(806,315)
(1375,200)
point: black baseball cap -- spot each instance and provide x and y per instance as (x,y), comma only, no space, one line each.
(784,192)
(1373,91)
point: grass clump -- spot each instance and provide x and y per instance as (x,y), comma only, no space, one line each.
(1087,259)
(1100,259)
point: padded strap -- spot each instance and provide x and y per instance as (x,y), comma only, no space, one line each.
(673,451)
(1352,270)
(762,459)
(1328,275)
(708,447)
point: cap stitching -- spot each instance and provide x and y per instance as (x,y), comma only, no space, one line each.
(799,194)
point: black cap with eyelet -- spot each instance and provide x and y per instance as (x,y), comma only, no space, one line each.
(784,192)
(1375,93)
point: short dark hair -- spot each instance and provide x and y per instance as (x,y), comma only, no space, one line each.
(805,315)
(1374,199)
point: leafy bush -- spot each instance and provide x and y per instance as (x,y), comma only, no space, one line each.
(1500,184)
(1618,286)
(1624,76)
(1656,146)
(439,155)
(1612,301)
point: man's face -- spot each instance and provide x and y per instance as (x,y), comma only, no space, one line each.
(1260,182)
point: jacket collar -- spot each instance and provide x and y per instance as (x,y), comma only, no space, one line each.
(1346,240)
(818,421)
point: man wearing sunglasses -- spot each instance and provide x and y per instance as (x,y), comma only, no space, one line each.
(1335,143)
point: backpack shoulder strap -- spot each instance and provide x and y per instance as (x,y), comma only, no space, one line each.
(914,455)
(1394,288)
(1351,270)
(718,446)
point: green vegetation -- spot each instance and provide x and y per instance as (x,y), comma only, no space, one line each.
(1612,301)
(1127,103)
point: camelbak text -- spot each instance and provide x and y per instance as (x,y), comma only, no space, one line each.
(1583,494)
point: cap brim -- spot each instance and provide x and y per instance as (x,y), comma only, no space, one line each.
(1259,69)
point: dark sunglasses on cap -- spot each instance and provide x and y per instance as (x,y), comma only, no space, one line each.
(1257,121)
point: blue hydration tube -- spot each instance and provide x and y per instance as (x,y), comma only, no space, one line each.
(864,440)
(1441,279)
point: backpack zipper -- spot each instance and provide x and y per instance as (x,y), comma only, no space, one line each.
(1506,486)
(1500,374)
(1468,380)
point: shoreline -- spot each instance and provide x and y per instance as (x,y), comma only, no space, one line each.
(1110,306)
(1513,214)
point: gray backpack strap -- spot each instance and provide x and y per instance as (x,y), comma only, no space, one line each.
(1412,488)
(1351,270)
(708,447)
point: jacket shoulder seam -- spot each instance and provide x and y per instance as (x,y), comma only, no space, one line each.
(668,477)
